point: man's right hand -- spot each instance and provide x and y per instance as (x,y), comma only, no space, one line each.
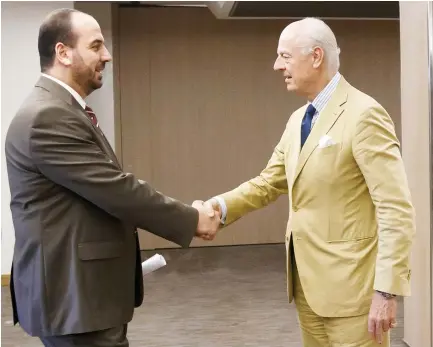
(209,219)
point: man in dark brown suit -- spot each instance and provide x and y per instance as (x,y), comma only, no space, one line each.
(76,273)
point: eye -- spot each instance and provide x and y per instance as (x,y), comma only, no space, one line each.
(96,45)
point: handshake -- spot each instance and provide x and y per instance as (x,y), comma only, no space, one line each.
(209,219)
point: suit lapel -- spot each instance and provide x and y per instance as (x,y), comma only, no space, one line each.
(108,148)
(106,145)
(66,96)
(324,123)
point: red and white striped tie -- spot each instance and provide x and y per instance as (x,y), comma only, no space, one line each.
(92,116)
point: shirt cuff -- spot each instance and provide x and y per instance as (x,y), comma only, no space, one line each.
(223,207)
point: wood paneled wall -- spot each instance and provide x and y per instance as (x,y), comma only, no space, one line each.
(202,109)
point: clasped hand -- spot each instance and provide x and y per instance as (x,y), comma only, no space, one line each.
(209,219)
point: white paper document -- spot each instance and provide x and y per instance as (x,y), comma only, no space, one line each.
(153,263)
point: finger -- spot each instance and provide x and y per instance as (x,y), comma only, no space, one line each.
(371,327)
(197,204)
(386,325)
(209,209)
(208,237)
(379,330)
(215,204)
(392,322)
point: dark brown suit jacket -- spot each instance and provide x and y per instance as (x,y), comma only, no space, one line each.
(76,264)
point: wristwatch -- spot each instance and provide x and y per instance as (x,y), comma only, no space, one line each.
(386,295)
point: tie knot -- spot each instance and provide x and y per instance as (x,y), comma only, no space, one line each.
(311,110)
(91,115)
(89,110)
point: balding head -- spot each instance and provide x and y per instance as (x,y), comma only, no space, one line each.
(57,27)
(72,49)
(311,32)
(308,55)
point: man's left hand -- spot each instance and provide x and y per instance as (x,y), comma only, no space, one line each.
(382,316)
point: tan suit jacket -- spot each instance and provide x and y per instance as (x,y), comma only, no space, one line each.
(351,218)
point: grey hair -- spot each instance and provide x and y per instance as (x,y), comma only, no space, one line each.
(315,32)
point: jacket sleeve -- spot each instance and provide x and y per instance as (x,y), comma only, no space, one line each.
(377,153)
(261,190)
(64,150)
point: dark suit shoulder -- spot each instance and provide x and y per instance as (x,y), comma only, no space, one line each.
(42,109)
(40,105)
(56,114)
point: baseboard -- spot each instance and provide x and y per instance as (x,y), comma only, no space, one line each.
(5,280)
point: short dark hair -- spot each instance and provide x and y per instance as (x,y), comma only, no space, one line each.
(57,27)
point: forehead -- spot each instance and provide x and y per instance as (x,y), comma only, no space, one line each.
(286,45)
(287,39)
(86,28)
(291,39)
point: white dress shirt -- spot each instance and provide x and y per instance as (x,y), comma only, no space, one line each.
(77,96)
(324,96)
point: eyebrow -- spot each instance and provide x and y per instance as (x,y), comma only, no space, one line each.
(97,41)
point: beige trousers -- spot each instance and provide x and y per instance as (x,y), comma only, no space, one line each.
(320,331)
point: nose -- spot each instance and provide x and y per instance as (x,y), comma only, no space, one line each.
(279,65)
(106,57)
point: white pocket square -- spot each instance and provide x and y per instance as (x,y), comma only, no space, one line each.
(326,141)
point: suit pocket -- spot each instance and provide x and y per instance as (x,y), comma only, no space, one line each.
(330,149)
(326,162)
(100,250)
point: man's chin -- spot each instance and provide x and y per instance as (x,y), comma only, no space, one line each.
(97,84)
(291,88)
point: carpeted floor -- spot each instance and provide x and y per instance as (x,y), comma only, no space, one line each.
(208,297)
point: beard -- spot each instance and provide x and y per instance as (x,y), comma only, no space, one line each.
(85,76)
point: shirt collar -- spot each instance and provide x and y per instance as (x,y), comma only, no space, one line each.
(77,96)
(324,96)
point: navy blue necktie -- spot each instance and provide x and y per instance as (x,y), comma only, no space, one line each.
(306,123)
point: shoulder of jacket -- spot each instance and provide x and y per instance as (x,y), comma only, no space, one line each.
(363,101)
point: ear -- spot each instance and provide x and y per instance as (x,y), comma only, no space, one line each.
(63,54)
(318,56)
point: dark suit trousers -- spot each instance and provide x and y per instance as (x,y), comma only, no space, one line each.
(114,337)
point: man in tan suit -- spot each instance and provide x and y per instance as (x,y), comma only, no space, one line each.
(76,274)
(351,220)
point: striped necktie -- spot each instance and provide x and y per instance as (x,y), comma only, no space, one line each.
(92,116)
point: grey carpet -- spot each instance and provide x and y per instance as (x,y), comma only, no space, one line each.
(209,297)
